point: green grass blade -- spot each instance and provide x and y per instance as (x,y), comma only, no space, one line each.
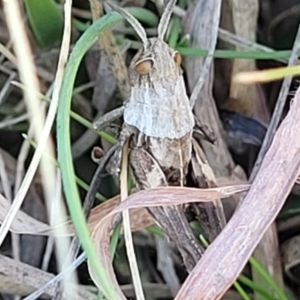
(64,145)
(232,54)
(246,281)
(241,291)
(267,278)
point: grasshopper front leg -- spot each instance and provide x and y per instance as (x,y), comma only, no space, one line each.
(113,166)
(108,118)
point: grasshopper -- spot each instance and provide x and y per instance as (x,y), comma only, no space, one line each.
(159,122)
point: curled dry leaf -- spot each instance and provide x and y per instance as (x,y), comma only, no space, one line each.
(139,217)
(148,198)
(25,224)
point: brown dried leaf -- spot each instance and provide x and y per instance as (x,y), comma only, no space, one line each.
(25,224)
(139,217)
(148,198)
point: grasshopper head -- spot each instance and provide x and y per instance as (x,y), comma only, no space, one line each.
(155,59)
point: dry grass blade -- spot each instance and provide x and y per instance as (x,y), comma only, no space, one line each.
(8,54)
(126,226)
(28,77)
(208,12)
(230,251)
(25,224)
(153,197)
(243,98)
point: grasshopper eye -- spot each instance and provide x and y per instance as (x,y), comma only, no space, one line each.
(178,58)
(144,66)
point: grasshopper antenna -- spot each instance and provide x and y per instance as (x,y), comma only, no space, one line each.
(132,20)
(165,19)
